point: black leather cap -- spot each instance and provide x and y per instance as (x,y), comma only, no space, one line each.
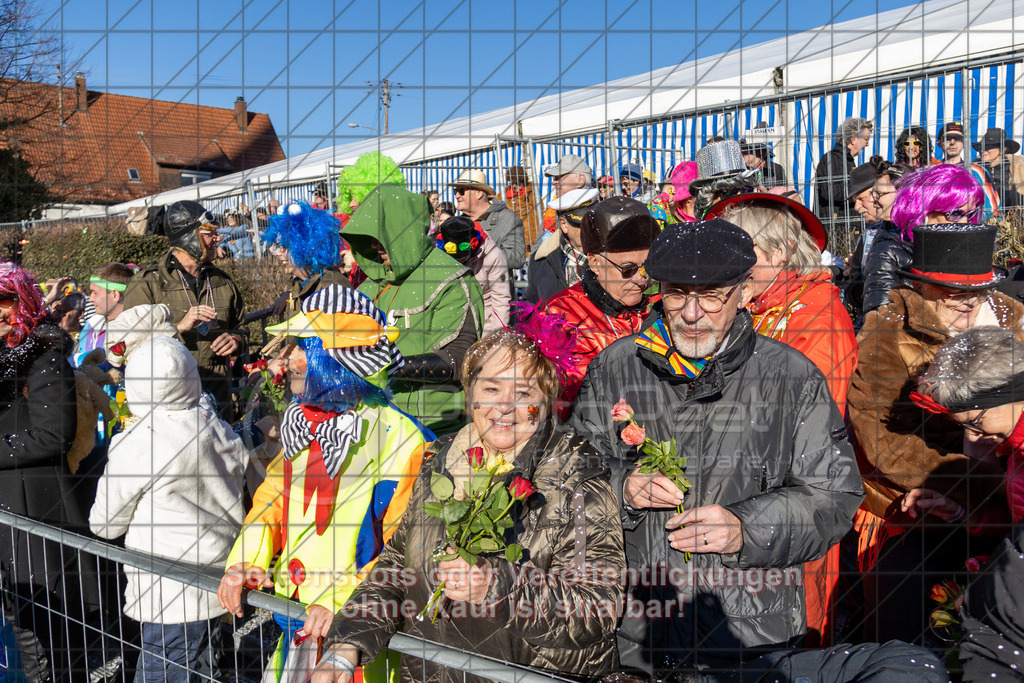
(181,222)
(617,224)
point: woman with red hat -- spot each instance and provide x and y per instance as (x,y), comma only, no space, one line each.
(795,302)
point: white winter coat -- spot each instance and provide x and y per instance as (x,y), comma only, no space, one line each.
(173,482)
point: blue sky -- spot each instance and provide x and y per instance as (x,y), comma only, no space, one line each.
(307,63)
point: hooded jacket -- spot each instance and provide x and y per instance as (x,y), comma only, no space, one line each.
(160,284)
(506,229)
(554,610)
(427,294)
(173,484)
(900,446)
(763,439)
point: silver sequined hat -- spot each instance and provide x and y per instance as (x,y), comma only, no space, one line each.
(719,158)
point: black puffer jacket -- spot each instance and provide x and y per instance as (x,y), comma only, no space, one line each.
(889,253)
(546,270)
(992,615)
(765,440)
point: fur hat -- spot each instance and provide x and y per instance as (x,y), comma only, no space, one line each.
(617,224)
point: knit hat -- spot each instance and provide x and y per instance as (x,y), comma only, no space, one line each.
(354,332)
(617,224)
(706,253)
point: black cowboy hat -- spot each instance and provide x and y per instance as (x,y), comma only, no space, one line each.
(994,138)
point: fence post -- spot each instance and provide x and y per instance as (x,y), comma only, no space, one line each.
(613,150)
(498,162)
(250,192)
(535,178)
(966,86)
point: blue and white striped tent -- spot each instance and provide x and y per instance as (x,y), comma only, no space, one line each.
(875,67)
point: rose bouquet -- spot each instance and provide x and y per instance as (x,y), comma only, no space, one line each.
(269,393)
(655,456)
(476,514)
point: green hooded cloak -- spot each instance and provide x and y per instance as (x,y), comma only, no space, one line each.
(425,292)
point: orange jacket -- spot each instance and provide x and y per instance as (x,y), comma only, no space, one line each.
(804,312)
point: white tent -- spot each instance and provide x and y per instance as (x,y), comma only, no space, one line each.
(881,67)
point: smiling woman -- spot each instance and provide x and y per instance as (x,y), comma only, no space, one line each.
(563,515)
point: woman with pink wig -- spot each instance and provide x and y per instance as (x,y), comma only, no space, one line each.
(37,427)
(940,194)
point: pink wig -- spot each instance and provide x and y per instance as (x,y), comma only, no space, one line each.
(18,283)
(939,188)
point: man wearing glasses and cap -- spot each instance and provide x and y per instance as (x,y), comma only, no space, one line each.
(951,140)
(773,480)
(206,303)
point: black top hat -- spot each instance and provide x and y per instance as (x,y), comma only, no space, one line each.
(954,256)
(994,138)
(458,237)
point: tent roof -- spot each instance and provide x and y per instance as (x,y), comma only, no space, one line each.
(897,40)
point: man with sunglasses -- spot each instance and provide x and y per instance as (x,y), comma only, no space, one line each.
(772,478)
(206,303)
(610,301)
(951,140)
(475,199)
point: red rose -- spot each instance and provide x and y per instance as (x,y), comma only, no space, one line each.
(634,435)
(278,377)
(521,488)
(475,456)
(118,348)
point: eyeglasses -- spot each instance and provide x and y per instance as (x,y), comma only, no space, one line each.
(915,143)
(877,195)
(958,215)
(709,301)
(975,424)
(627,272)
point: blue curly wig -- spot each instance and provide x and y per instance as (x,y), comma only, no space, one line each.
(310,236)
(332,386)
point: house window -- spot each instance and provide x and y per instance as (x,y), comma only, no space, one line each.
(133,175)
(193,177)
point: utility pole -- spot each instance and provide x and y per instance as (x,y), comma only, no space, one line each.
(385,99)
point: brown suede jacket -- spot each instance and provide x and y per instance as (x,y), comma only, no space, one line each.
(900,446)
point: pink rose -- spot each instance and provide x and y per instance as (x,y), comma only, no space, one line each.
(633,435)
(621,412)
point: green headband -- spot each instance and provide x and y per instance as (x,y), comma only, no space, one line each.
(107,284)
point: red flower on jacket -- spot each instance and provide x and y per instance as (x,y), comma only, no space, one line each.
(521,488)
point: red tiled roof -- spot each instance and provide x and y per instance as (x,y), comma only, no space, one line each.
(86,159)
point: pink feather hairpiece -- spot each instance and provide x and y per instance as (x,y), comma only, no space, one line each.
(551,333)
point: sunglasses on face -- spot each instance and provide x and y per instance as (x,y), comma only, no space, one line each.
(954,138)
(460,190)
(959,215)
(627,272)
(915,143)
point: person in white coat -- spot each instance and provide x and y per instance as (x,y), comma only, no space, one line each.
(173,486)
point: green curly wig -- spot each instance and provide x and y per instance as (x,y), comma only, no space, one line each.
(369,171)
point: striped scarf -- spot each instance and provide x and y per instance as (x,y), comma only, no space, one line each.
(655,338)
(334,433)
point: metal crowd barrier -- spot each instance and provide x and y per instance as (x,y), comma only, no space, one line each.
(84,637)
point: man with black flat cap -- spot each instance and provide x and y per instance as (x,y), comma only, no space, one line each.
(773,481)
(206,304)
(998,156)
